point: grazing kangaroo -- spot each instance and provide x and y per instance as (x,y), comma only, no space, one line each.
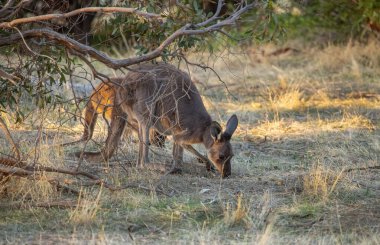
(164,98)
(102,102)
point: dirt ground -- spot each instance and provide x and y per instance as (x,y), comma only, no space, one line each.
(305,170)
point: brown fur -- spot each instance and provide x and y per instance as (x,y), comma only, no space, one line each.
(164,98)
(101,103)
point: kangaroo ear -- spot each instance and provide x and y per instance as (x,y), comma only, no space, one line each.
(231,125)
(216,131)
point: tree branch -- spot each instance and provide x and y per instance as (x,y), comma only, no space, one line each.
(5,9)
(15,171)
(214,17)
(19,168)
(205,67)
(135,11)
(9,10)
(186,30)
(11,78)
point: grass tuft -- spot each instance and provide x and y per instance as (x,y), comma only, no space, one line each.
(85,212)
(320,182)
(28,191)
(236,213)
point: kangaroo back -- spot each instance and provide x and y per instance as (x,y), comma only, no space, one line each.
(165,98)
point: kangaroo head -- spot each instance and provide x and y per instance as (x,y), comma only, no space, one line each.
(220,152)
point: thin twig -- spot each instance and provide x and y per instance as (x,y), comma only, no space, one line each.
(51,204)
(205,67)
(11,78)
(368,186)
(214,17)
(8,135)
(362,168)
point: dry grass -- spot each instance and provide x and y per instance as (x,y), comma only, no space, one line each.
(30,191)
(304,118)
(281,127)
(234,214)
(321,182)
(86,209)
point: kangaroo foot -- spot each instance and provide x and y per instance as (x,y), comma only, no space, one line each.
(91,156)
(175,170)
(210,167)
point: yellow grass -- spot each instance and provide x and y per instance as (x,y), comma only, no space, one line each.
(86,209)
(320,182)
(234,214)
(30,191)
(290,128)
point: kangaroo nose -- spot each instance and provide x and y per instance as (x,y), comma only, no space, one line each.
(222,156)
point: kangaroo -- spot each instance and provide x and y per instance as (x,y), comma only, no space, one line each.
(163,97)
(102,102)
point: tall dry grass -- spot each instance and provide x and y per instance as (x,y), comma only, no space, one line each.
(87,208)
(320,182)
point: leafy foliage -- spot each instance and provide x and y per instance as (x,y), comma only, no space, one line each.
(40,75)
(337,20)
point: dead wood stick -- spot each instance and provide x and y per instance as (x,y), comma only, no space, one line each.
(62,171)
(15,171)
(51,204)
(32,170)
(362,168)
(368,186)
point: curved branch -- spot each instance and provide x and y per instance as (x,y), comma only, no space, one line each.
(214,17)
(135,11)
(186,30)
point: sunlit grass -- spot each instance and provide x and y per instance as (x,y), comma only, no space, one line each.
(29,192)
(291,128)
(320,182)
(87,208)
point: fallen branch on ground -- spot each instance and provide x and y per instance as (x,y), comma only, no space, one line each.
(368,186)
(362,168)
(51,204)
(11,167)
